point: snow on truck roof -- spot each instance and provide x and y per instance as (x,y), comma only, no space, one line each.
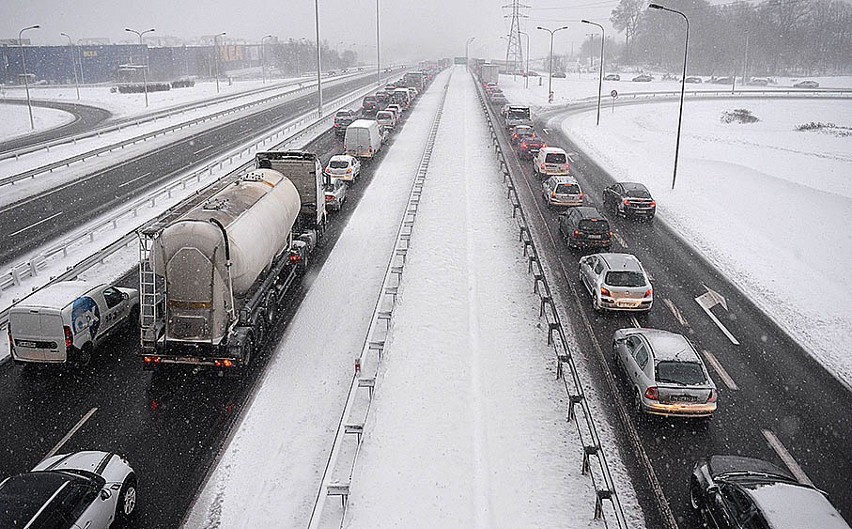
(57,295)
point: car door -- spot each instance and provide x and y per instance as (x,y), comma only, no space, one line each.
(586,265)
(115,308)
(636,370)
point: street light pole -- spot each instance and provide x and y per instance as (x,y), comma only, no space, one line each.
(144,66)
(73,64)
(682,85)
(24,64)
(600,76)
(550,61)
(378,50)
(319,59)
(263,59)
(466,56)
(216,52)
(527,76)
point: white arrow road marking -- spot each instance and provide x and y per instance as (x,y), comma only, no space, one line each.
(785,456)
(36,224)
(70,433)
(620,239)
(726,378)
(710,299)
(676,312)
(571,156)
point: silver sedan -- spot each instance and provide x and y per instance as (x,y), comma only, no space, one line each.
(666,375)
(616,281)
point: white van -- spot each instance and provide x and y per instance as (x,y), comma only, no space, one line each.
(386,119)
(551,161)
(65,321)
(363,139)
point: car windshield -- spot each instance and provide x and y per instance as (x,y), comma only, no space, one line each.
(515,113)
(637,192)
(554,157)
(594,226)
(625,278)
(568,189)
(338,164)
(681,373)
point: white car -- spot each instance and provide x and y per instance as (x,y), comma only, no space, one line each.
(551,161)
(344,167)
(616,281)
(335,194)
(562,191)
(88,490)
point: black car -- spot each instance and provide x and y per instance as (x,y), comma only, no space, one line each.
(585,227)
(735,492)
(342,120)
(630,199)
(529,146)
(643,78)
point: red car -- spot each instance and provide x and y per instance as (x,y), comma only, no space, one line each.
(529,147)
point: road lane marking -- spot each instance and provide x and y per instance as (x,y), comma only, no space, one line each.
(546,131)
(620,239)
(70,433)
(635,322)
(676,312)
(135,179)
(726,378)
(710,299)
(204,149)
(650,277)
(785,456)
(36,224)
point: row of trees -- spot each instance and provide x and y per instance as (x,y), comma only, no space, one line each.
(774,37)
(297,56)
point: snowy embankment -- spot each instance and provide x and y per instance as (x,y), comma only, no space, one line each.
(15,120)
(768,204)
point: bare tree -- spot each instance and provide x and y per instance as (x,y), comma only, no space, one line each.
(625,17)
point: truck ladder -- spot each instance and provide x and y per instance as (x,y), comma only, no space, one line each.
(149,296)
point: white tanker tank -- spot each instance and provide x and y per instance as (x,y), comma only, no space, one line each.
(212,256)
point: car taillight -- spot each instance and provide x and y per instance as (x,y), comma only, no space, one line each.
(542,167)
(713,396)
(652,393)
(605,292)
(626,202)
(582,196)
(224,363)
(349,170)
(69,338)
(649,293)
(295,258)
(553,194)
(653,203)
(329,198)
(576,234)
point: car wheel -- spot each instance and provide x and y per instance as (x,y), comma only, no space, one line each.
(127,500)
(596,304)
(637,405)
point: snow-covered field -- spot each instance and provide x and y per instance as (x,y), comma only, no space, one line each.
(770,206)
(15,120)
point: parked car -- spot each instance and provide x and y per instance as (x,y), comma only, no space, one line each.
(335,194)
(616,281)
(585,227)
(612,77)
(551,161)
(734,492)
(88,490)
(722,80)
(642,78)
(630,199)
(386,119)
(344,167)
(529,147)
(693,80)
(520,132)
(806,84)
(559,75)
(759,81)
(66,321)
(562,191)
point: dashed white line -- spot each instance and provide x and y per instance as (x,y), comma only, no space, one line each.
(676,312)
(70,433)
(726,378)
(620,239)
(135,179)
(785,456)
(635,322)
(204,149)
(36,224)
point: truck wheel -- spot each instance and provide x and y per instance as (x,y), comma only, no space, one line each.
(84,355)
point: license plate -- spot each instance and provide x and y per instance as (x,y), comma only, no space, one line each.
(683,398)
(25,343)
(626,303)
(595,236)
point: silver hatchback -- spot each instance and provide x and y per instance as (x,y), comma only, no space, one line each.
(666,374)
(616,281)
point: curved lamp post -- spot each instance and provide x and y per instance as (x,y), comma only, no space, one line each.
(600,76)
(263,59)
(216,51)
(24,64)
(144,66)
(682,84)
(319,59)
(550,61)
(466,57)
(73,64)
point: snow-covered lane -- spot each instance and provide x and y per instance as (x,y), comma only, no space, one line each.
(468,426)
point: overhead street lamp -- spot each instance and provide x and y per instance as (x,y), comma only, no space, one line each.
(144,66)
(466,57)
(682,84)
(550,61)
(600,76)
(216,51)
(527,75)
(26,79)
(319,59)
(263,59)
(73,64)
(378,49)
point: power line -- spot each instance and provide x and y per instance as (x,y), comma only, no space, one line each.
(513,48)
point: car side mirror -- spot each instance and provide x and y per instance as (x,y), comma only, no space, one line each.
(125,296)
(105,494)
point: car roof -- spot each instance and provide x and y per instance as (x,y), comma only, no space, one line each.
(548,150)
(668,345)
(792,506)
(564,179)
(342,157)
(24,495)
(633,185)
(621,261)
(58,294)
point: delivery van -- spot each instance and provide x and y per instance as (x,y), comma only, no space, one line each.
(64,322)
(363,139)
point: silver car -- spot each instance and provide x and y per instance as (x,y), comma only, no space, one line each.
(616,281)
(335,194)
(562,191)
(89,489)
(666,375)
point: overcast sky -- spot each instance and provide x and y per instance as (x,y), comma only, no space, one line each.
(411,29)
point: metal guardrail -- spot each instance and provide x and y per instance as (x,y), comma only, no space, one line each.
(31,268)
(143,137)
(607,503)
(374,342)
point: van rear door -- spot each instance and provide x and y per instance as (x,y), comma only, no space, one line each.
(37,334)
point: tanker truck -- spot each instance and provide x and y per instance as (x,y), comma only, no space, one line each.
(214,276)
